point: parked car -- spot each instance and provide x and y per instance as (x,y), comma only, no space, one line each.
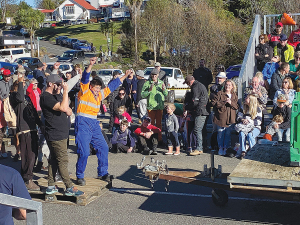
(64,67)
(46,24)
(107,74)
(59,39)
(175,80)
(70,42)
(233,71)
(83,46)
(11,54)
(53,25)
(24,32)
(31,62)
(81,21)
(75,56)
(64,23)
(64,42)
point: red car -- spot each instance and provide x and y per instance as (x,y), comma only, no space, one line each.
(53,24)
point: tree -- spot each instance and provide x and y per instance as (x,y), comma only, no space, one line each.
(31,19)
(104,28)
(3,6)
(113,27)
(135,9)
(48,4)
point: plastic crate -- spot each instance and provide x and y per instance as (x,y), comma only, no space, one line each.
(295,132)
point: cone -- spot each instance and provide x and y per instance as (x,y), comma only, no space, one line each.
(287,20)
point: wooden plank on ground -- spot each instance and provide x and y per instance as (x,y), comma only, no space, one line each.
(93,189)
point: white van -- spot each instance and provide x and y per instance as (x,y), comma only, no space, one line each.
(11,54)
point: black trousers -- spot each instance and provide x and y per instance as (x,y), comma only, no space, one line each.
(117,148)
(29,151)
(111,119)
(150,143)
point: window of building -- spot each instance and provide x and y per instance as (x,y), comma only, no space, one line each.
(69,9)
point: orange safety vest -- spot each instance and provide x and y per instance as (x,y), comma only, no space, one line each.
(88,105)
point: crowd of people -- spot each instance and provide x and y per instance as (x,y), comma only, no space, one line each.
(38,113)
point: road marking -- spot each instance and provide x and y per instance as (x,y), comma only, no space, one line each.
(196,195)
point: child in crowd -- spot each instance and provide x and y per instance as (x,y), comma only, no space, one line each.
(272,128)
(172,126)
(122,114)
(148,135)
(246,128)
(122,141)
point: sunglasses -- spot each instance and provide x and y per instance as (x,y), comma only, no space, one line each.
(285,82)
(121,93)
(262,39)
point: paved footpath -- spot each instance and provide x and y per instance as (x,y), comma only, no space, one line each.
(131,200)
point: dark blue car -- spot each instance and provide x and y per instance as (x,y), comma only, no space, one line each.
(83,45)
(233,71)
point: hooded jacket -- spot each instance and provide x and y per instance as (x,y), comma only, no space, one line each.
(31,95)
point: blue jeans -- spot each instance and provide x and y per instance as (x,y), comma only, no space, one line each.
(250,137)
(172,138)
(199,124)
(287,134)
(224,136)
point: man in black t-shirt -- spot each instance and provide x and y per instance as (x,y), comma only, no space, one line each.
(55,110)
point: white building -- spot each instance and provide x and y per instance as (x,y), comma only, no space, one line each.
(75,9)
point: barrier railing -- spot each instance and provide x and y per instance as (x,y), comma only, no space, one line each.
(271,20)
(248,68)
(34,215)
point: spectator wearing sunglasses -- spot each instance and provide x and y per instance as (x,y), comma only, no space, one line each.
(122,99)
(263,52)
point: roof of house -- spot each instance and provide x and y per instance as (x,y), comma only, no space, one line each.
(47,10)
(85,4)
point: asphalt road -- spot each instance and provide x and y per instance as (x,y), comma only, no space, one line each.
(132,201)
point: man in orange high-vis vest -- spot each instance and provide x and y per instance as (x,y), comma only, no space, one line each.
(87,128)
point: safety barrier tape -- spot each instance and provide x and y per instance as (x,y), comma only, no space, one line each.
(173,88)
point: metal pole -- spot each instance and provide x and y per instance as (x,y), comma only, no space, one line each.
(38,46)
(212,164)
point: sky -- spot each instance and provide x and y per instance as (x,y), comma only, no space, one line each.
(30,2)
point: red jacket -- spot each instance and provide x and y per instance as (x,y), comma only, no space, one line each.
(30,94)
(142,129)
(294,38)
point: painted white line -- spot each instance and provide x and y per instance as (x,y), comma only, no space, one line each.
(196,195)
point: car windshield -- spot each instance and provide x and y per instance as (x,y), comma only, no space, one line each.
(21,61)
(67,55)
(237,68)
(105,72)
(166,70)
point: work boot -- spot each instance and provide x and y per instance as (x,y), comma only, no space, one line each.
(81,181)
(196,152)
(154,151)
(31,186)
(106,177)
(146,151)
(38,167)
